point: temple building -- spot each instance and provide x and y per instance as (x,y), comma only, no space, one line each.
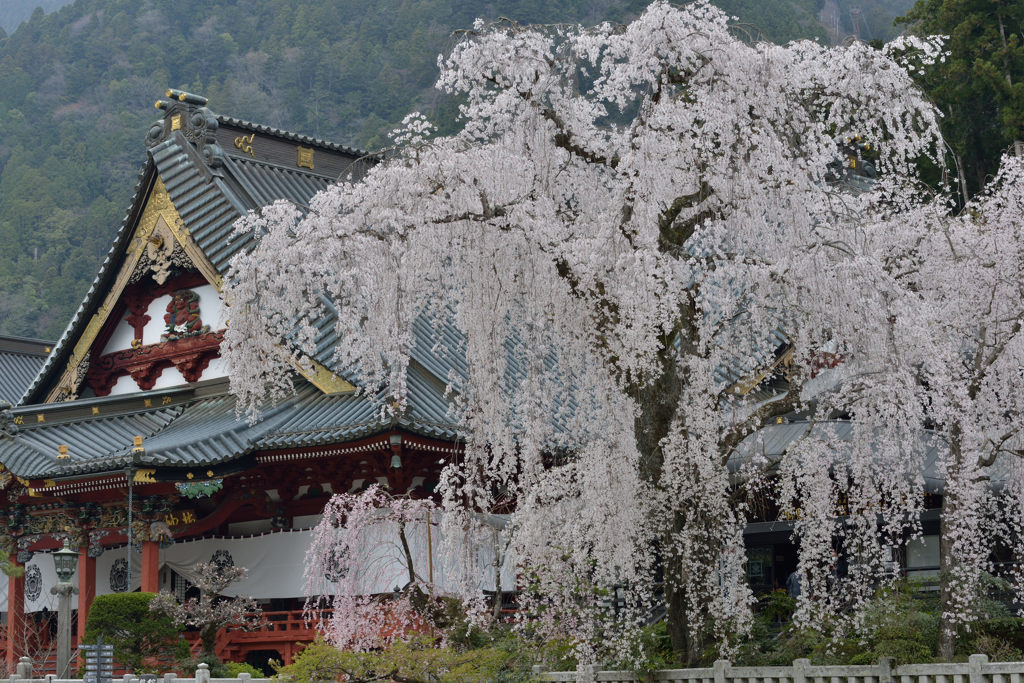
(122,437)
(124,429)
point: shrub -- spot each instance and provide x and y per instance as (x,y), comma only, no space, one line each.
(232,669)
(125,621)
(419,658)
(216,666)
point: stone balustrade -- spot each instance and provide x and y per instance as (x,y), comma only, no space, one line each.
(24,674)
(978,669)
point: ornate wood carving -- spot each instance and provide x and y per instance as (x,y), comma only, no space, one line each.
(182,319)
(191,355)
(157,208)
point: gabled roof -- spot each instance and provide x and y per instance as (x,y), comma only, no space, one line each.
(215,169)
(20,360)
(209,170)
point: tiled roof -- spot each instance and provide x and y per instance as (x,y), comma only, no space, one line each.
(772,441)
(20,360)
(209,200)
(205,431)
(210,196)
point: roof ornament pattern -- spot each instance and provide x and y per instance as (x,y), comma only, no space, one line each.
(188,114)
(7,424)
(162,259)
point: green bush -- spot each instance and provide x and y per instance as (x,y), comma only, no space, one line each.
(901,622)
(218,669)
(137,634)
(421,658)
(232,669)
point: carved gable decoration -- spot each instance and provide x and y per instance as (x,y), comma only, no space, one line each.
(160,259)
(182,319)
(186,343)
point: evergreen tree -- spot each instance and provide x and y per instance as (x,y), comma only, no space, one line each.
(980,86)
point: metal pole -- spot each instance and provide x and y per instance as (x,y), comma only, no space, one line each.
(128,473)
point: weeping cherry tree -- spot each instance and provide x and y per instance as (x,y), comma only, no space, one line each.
(622,236)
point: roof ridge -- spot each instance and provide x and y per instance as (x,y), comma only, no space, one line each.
(295,137)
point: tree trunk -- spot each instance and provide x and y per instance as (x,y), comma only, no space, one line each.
(676,620)
(950,508)
(208,641)
(962,178)
(658,403)
(497,576)
(947,628)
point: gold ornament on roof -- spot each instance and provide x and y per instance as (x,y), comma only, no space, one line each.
(244,143)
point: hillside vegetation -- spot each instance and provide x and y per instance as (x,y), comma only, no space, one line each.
(77,87)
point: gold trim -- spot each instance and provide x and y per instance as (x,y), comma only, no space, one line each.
(244,143)
(325,380)
(159,209)
(144,477)
(304,157)
(744,387)
(176,122)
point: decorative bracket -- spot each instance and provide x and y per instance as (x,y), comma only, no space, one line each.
(191,355)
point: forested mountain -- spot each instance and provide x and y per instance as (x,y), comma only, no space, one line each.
(77,87)
(13,12)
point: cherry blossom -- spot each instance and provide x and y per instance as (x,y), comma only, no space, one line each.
(633,256)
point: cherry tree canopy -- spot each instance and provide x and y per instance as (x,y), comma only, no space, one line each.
(934,371)
(631,220)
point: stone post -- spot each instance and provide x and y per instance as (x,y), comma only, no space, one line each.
(885,670)
(974,667)
(63,590)
(721,668)
(25,667)
(202,673)
(800,670)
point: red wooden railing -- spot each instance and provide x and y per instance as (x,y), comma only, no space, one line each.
(287,632)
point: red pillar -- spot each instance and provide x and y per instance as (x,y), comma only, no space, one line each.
(150,567)
(15,616)
(86,587)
